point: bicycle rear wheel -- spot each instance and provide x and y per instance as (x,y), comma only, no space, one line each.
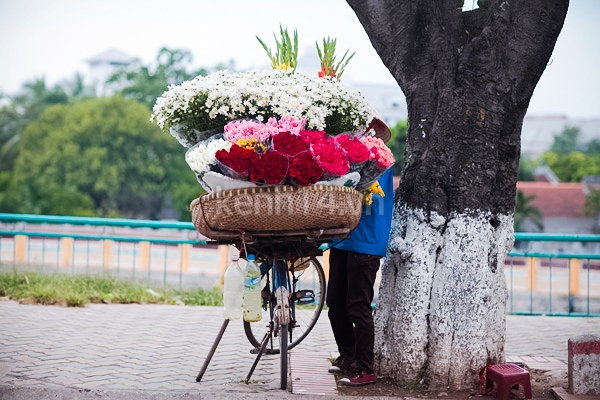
(305,311)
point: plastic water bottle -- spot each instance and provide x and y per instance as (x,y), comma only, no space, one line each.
(233,290)
(252,297)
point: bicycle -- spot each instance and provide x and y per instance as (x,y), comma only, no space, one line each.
(293,289)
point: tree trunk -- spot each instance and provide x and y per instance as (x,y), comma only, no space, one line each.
(468,78)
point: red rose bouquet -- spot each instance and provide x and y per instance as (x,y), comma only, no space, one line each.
(288,143)
(304,169)
(312,136)
(330,157)
(271,168)
(354,149)
(236,161)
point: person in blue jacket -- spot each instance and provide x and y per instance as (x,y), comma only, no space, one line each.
(353,265)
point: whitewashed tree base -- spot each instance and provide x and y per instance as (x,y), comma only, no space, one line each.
(442,300)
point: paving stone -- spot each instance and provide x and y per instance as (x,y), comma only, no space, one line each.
(137,347)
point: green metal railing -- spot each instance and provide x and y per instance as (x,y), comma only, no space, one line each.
(57,251)
(549,283)
(556,283)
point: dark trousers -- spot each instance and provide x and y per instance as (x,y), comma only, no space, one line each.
(349,296)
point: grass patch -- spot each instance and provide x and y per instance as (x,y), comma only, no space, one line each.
(79,290)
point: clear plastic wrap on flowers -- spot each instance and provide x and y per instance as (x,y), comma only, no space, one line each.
(201,157)
(369,174)
(188,137)
(231,173)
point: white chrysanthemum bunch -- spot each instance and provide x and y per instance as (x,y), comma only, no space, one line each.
(202,156)
(201,107)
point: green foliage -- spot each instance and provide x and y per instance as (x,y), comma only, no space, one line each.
(526,168)
(328,61)
(20,110)
(397,144)
(525,211)
(566,141)
(573,166)
(286,51)
(145,83)
(98,157)
(591,207)
(571,160)
(78,290)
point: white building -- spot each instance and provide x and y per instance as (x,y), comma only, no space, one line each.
(103,65)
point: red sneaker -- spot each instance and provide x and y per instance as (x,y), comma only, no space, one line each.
(359,378)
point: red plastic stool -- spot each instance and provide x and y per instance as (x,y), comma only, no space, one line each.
(506,377)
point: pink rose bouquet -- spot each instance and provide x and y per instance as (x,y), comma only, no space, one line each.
(249,129)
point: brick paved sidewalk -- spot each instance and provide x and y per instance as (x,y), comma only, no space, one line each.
(143,348)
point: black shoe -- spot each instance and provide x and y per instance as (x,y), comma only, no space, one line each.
(341,365)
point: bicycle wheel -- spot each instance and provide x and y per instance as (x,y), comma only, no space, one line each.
(283,351)
(305,310)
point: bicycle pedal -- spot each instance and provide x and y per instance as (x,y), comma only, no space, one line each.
(304,296)
(267,351)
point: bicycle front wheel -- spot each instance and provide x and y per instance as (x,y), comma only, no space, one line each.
(310,280)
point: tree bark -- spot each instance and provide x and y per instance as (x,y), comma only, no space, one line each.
(468,78)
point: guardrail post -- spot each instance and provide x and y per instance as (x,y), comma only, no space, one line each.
(185,257)
(574,276)
(144,254)
(532,264)
(106,253)
(20,248)
(66,245)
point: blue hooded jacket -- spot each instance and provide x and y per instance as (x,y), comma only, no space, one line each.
(372,233)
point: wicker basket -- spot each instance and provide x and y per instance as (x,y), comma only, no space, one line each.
(277,208)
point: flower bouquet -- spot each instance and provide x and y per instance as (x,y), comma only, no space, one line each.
(277,134)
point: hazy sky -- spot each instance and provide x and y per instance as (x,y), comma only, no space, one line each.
(53,38)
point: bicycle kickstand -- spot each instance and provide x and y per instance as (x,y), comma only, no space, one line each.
(212,350)
(263,345)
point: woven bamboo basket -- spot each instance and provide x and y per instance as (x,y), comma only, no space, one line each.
(277,208)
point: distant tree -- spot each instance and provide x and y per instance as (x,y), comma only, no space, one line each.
(566,141)
(591,207)
(526,168)
(592,147)
(77,89)
(525,211)
(145,83)
(397,144)
(99,157)
(17,111)
(573,166)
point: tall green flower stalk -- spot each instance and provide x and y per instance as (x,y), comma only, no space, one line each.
(327,57)
(286,54)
